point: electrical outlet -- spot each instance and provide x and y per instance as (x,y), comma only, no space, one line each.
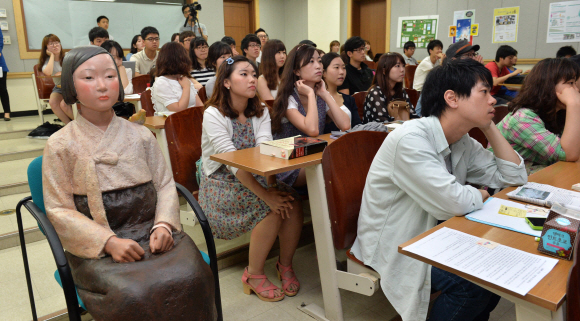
(7,40)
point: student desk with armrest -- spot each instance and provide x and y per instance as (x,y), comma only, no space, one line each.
(252,161)
(545,300)
(157,125)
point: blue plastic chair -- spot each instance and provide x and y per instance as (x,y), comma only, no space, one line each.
(63,275)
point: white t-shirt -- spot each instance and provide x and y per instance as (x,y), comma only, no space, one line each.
(421,72)
(167,91)
(129,89)
(259,59)
(55,69)
(292,104)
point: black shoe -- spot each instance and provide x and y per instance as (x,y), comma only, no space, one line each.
(6,119)
(44,131)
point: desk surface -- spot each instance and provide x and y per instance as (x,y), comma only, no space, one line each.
(155,122)
(550,292)
(252,161)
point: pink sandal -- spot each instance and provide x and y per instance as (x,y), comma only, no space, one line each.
(293,280)
(248,288)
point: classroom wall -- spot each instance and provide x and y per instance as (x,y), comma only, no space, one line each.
(532,24)
(323,22)
(295,22)
(272,18)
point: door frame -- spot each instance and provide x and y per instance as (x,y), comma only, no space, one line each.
(350,18)
(254,12)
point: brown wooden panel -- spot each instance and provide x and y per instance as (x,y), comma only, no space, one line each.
(373,23)
(237,21)
(147,103)
(44,84)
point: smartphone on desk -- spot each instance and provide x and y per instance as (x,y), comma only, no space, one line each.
(536,223)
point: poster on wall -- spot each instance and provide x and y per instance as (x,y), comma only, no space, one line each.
(505,24)
(419,29)
(564,22)
(463,19)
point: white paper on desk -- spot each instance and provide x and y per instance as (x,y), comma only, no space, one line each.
(488,214)
(133,96)
(515,270)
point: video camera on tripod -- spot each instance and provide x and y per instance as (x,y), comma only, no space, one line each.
(193,9)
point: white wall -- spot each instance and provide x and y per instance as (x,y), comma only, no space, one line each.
(323,22)
(272,19)
(295,22)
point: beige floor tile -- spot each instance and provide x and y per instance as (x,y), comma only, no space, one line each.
(45,284)
(10,202)
(20,145)
(51,304)
(275,314)
(14,293)
(502,308)
(22,123)
(14,171)
(371,315)
(17,313)
(510,315)
(6,224)
(11,264)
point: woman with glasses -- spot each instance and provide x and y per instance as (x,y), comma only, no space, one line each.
(198,51)
(136,46)
(218,53)
(273,60)
(51,56)
(387,88)
(173,89)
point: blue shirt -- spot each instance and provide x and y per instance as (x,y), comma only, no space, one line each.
(2,61)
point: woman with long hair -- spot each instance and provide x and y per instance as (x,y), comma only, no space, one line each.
(271,67)
(136,46)
(368,51)
(114,48)
(198,51)
(303,102)
(235,201)
(218,53)
(334,46)
(51,57)
(334,71)
(173,89)
(386,87)
(543,124)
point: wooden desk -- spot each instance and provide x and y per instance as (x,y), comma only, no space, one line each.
(545,300)
(514,87)
(157,125)
(252,161)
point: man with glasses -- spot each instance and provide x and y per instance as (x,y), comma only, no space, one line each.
(251,46)
(261,33)
(462,50)
(198,28)
(185,39)
(146,58)
(358,75)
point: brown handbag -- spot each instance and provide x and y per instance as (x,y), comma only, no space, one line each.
(399,109)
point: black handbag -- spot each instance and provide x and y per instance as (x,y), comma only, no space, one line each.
(124,109)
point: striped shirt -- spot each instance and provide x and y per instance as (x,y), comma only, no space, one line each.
(202,75)
(527,134)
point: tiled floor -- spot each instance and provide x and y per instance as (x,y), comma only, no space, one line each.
(14,303)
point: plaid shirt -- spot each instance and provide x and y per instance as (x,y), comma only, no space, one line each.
(528,135)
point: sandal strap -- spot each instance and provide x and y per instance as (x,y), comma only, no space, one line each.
(260,288)
(291,280)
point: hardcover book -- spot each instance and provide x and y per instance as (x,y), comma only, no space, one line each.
(293,147)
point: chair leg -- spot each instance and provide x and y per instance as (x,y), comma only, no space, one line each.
(25,257)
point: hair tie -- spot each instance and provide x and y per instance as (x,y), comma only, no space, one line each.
(230,61)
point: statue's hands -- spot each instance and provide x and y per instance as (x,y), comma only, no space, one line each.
(161,240)
(124,250)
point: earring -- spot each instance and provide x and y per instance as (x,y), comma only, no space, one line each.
(228,88)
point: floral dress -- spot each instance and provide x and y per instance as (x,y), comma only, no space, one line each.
(231,208)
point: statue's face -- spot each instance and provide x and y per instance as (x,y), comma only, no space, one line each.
(97,83)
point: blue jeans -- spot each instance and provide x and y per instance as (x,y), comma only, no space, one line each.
(460,299)
(418,107)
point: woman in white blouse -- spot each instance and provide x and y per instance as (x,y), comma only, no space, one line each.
(273,60)
(237,202)
(173,89)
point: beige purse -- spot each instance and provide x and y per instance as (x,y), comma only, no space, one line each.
(399,109)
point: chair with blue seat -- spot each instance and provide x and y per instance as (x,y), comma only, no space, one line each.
(35,205)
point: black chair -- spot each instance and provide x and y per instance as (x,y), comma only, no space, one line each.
(68,286)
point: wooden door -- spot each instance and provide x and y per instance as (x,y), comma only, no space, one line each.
(368,22)
(238,20)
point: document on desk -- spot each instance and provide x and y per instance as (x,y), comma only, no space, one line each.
(504,214)
(509,268)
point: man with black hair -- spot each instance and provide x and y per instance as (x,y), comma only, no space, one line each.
(185,39)
(505,58)
(146,58)
(261,33)
(98,35)
(232,43)
(251,47)
(435,51)
(566,52)
(409,50)
(358,75)
(199,29)
(103,22)
(419,176)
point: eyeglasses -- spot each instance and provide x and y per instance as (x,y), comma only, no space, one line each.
(152,39)
(54,44)
(360,50)
(202,48)
(188,40)
(263,37)
(469,55)
(254,45)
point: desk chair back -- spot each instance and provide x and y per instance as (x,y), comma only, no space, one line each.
(500,113)
(371,64)
(359,99)
(479,136)
(44,84)
(345,164)
(147,103)
(409,75)
(573,287)
(183,130)
(413,96)
(202,94)
(140,83)
(270,105)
